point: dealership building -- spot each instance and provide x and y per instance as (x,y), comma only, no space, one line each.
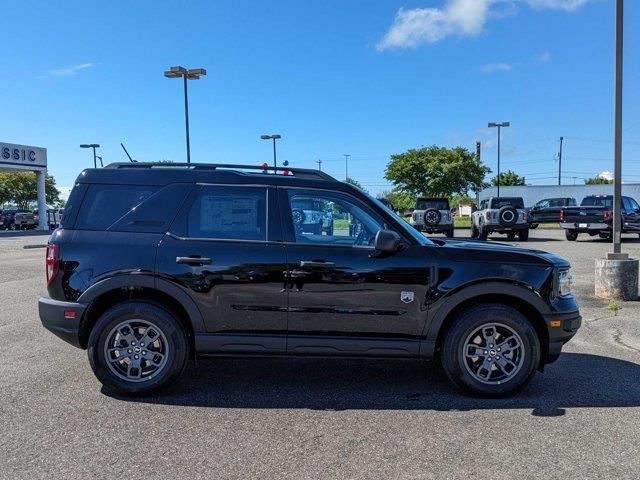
(14,157)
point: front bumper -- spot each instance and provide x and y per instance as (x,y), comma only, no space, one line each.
(62,318)
(561,327)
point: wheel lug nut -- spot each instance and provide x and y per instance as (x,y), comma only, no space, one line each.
(144,352)
(136,357)
(142,344)
(498,349)
(129,351)
(486,352)
(133,343)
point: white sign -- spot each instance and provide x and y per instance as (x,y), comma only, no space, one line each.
(22,157)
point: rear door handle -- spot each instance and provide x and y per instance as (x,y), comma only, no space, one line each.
(314,263)
(193,260)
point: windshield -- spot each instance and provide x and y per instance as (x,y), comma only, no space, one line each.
(515,202)
(597,202)
(424,204)
(412,232)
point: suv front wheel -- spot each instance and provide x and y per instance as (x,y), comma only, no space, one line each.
(137,347)
(491,350)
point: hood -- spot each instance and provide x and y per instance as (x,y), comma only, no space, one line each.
(478,250)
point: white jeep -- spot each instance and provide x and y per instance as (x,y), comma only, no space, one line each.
(502,215)
(433,215)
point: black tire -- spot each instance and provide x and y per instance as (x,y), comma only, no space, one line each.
(329,229)
(508,216)
(605,235)
(511,235)
(474,230)
(533,226)
(523,235)
(176,354)
(432,217)
(571,235)
(455,362)
(483,233)
(449,233)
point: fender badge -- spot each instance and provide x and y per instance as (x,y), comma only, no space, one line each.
(406,297)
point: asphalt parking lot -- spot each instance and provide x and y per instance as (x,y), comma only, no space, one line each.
(274,418)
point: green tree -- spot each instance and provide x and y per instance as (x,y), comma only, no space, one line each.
(457,199)
(597,180)
(436,171)
(508,179)
(400,199)
(355,183)
(21,188)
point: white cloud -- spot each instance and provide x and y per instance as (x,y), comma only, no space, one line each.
(465,18)
(496,67)
(568,5)
(430,25)
(606,174)
(67,71)
(544,57)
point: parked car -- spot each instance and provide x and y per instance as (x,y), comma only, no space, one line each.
(433,215)
(310,215)
(548,210)
(502,215)
(53,217)
(154,264)
(14,219)
(594,216)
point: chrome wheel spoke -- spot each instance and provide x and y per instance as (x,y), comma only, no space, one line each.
(475,351)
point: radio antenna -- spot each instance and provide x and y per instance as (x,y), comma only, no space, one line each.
(125,151)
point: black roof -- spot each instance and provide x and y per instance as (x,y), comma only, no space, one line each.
(161,173)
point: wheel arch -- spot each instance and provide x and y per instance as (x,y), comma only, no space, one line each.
(109,292)
(519,298)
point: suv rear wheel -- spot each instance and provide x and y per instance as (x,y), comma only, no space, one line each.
(491,350)
(523,235)
(483,232)
(137,347)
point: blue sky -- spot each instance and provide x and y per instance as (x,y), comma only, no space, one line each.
(359,77)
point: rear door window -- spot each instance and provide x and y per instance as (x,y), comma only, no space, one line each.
(229,213)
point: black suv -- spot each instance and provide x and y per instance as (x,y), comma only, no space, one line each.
(156,263)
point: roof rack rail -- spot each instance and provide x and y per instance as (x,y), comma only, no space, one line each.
(298,172)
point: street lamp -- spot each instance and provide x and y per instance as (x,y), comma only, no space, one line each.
(499,126)
(94,146)
(273,137)
(191,74)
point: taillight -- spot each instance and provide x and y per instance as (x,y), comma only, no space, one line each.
(414,215)
(488,215)
(52,261)
(607,215)
(524,216)
(561,215)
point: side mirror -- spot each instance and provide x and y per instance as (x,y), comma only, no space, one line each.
(387,241)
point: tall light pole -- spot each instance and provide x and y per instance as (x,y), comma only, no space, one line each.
(560,162)
(190,74)
(346,166)
(617,141)
(319,162)
(499,126)
(94,146)
(273,137)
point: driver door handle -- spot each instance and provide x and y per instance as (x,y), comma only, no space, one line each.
(314,263)
(193,260)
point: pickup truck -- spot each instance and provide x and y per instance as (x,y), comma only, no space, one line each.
(548,210)
(16,220)
(594,216)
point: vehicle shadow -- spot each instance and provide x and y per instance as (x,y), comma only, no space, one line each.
(575,380)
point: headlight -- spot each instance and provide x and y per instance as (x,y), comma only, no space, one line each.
(565,280)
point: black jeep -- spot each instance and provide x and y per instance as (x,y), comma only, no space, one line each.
(157,263)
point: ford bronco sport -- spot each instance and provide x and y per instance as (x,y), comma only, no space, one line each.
(156,263)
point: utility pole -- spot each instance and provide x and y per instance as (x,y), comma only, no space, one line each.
(346,166)
(617,148)
(499,126)
(560,162)
(319,162)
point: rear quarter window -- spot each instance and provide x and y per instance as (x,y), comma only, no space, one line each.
(103,205)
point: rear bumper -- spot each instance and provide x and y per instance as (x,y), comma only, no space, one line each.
(442,228)
(559,335)
(62,318)
(585,227)
(496,227)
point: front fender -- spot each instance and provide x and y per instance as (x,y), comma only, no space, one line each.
(440,310)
